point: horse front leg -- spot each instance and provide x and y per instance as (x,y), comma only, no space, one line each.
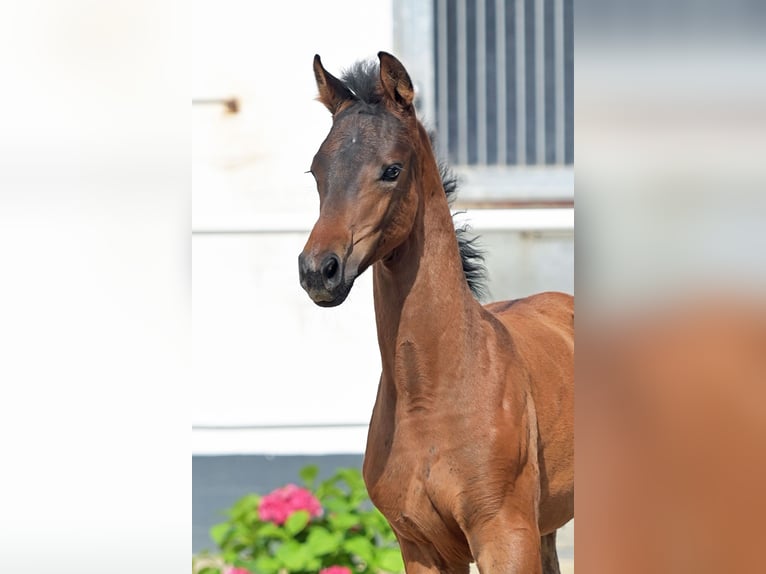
(423,559)
(508,545)
(509,541)
(550,559)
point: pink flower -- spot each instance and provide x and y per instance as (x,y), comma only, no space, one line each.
(277,506)
(336,570)
(235,570)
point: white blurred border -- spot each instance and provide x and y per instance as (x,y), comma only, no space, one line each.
(95,291)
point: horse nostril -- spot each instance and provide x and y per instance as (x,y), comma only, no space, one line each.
(330,267)
(331,270)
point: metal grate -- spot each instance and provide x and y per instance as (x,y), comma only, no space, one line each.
(504,81)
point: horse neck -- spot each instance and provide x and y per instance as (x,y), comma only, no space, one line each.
(422,300)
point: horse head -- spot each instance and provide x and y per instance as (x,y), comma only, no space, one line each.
(365,171)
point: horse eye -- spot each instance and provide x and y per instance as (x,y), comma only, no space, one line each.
(391,172)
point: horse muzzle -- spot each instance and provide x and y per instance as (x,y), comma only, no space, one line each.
(322,278)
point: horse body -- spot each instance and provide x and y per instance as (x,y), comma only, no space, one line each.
(470,452)
(453,437)
(542,326)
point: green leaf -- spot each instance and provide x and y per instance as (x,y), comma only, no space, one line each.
(337,505)
(289,547)
(229,555)
(271,530)
(343,520)
(297,521)
(328,490)
(361,547)
(390,560)
(294,556)
(321,541)
(376,522)
(313,564)
(353,478)
(245,505)
(309,475)
(219,533)
(266,565)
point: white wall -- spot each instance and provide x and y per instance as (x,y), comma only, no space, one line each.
(265,357)
(254,161)
(263,353)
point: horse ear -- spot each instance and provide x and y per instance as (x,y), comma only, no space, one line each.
(396,81)
(332,92)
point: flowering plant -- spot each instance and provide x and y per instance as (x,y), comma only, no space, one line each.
(327,528)
(278,506)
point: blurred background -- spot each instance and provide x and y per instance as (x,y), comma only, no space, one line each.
(494,78)
(670,110)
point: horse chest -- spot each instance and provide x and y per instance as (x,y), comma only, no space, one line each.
(417,491)
(419,501)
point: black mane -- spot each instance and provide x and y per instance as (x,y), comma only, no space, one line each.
(471,254)
(363,79)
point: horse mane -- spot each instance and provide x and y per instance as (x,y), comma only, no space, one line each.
(363,80)
(471,253)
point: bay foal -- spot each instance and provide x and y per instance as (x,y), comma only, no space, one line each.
(470,451)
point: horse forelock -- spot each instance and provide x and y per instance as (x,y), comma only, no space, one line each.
(363,80)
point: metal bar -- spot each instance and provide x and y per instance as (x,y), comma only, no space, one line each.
(481,83)
(540,80)
(535,215)
(414,43)
(558,25)
(462,86)
(443,112)
(568,84)
(521,87)
(500,80)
